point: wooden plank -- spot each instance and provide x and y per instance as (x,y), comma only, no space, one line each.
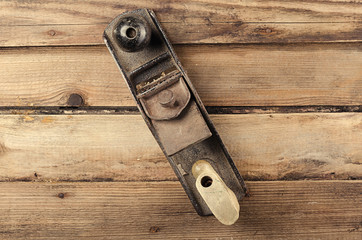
(121,148)
(161,210)
(38,22)
(253,75)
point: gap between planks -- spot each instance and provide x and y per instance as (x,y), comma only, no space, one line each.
(48,110)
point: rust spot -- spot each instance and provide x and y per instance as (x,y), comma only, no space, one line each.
(154,229)
(47,120)
(52,32)
(27,118)
(264,30)
(75,99)
(61,195)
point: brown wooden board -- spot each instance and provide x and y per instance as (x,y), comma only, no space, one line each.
(161,210)
(96,172)
(121,148)
(252,75)
(42,23)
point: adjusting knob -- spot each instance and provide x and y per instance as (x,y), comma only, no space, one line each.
(133,33)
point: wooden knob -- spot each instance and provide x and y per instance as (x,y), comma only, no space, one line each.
(218,197)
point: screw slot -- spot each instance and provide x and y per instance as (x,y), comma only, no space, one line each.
(206,181)
(131,33)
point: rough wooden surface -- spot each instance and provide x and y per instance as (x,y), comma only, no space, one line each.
(120,147)
(252,75)
(30,23)
(161,210)
(95,172)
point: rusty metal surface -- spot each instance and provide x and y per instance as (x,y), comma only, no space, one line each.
(168,102)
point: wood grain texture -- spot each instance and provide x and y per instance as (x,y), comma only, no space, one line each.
(252,75)
(102,175)
(121,148)
(161,210)
(38,23)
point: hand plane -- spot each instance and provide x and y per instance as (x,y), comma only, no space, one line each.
(174,113)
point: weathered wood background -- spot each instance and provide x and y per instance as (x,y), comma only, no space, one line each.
(281,79)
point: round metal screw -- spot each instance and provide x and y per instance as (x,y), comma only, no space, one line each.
(166,99)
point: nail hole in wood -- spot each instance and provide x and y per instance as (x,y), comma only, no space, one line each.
(61,195)
(75,100)
(52,33)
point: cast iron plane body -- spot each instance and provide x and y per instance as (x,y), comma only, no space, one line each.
(168,102)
